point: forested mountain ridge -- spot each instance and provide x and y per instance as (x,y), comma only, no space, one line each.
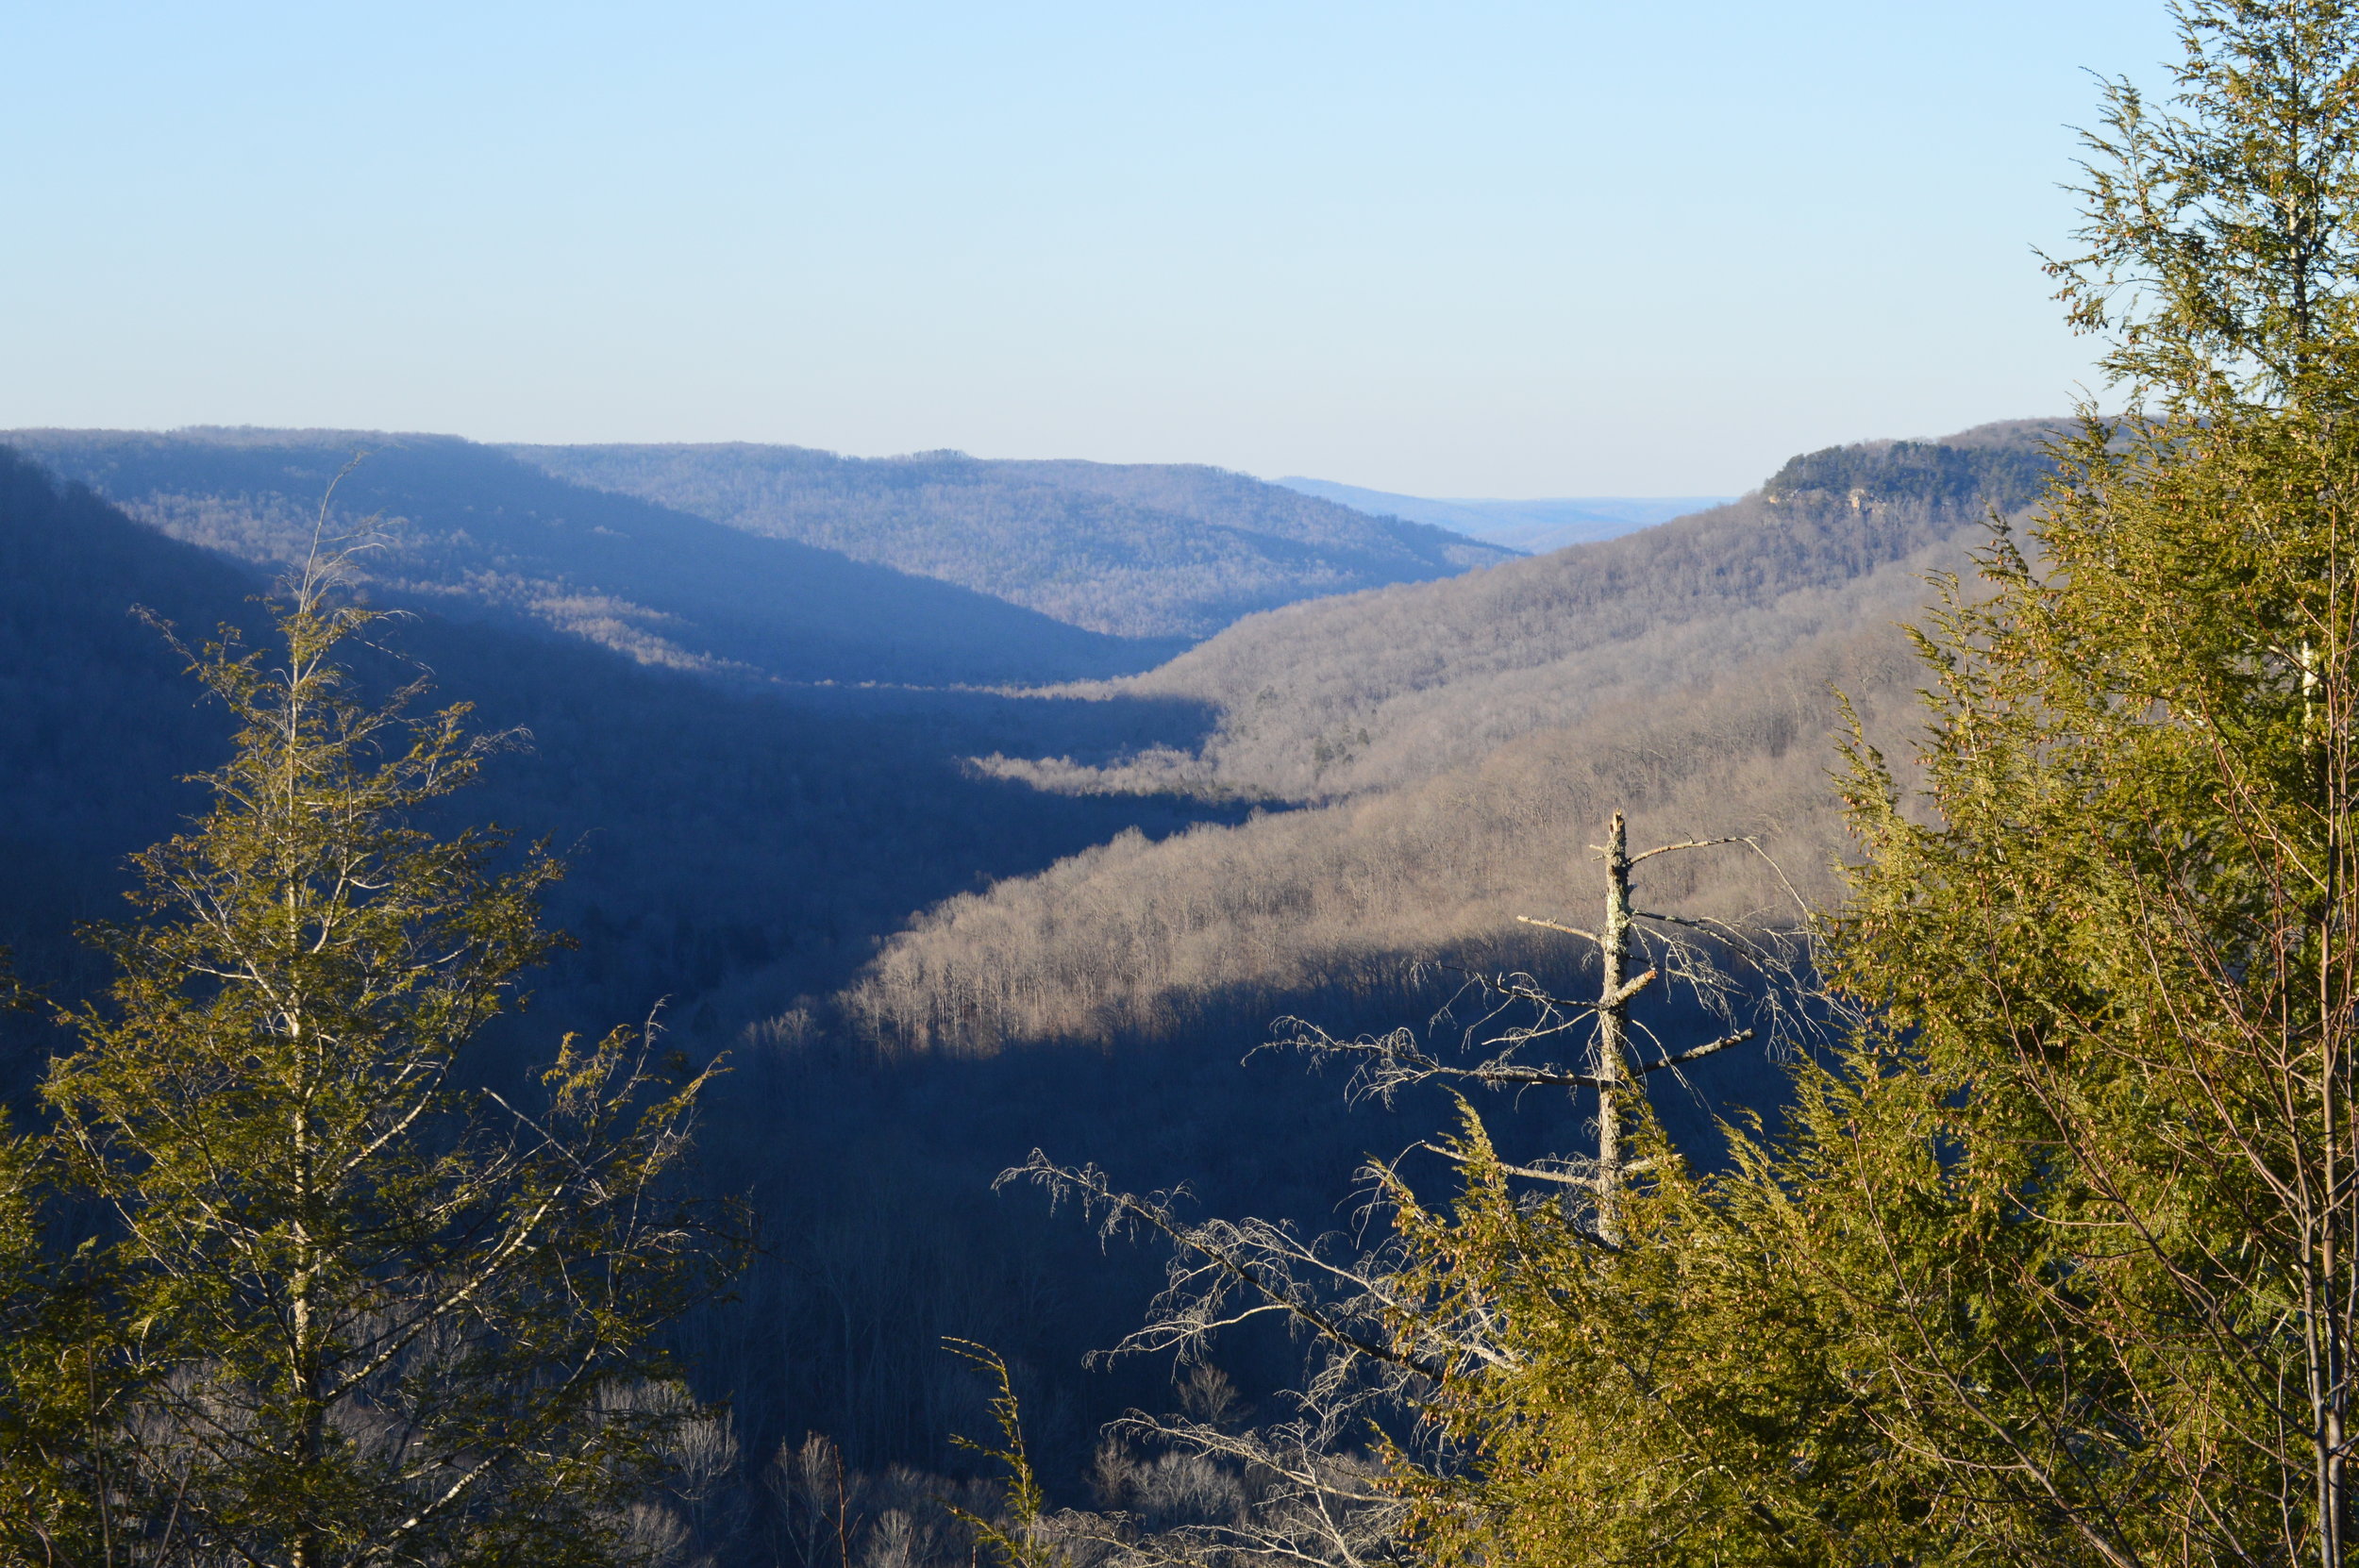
(1459,742)
(1378,690)
(1132,549)
(472,530)
(1082,974)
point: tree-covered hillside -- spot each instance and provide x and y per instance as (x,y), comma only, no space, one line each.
(1438,733)
(725,845)
(922,970)
(472,530)
(1378,689)
(1135,550)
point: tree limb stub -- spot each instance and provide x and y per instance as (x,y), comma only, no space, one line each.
(1667,848)
(1704,1050)
(1625,991)
(1568,931)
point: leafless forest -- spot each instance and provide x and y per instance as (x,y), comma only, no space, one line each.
(1436,756)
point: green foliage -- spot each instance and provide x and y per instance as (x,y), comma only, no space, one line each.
(2085,1175)
(1671,1400)
(2221,248)
(2055,1262)
(364,1310)
(62,1383)
(1018,1542)
(2080,1201)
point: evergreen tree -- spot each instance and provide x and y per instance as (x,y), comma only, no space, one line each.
(1585,1358)
(2084,1197)
(1673,1399)
(2059,1261)
(60,1379)
(2080,1208)
(369,1310)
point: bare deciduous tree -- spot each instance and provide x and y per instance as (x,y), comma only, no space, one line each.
(1380,1339)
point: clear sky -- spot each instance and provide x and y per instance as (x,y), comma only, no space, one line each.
(1461,248)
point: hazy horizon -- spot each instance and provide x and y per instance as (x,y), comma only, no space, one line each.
(1495,250)
(1290,480)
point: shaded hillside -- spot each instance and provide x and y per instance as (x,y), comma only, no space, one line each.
(730,850)
(1137,550)
(1469,738)
(474,530)
(1533,526)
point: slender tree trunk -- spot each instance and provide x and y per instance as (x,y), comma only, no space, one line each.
(310,1432)
(2329,1340)
(1613,1009)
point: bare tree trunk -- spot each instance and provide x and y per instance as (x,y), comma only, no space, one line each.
(2330,1304)
(1613,1009)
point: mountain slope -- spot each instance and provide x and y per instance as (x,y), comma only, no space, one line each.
(730,849)
(1138,550)
(1459,744)
(1378,689)
(727,846)
(476,530)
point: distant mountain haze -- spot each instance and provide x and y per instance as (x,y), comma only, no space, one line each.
(1534,528)
(471,530)
(1169,550)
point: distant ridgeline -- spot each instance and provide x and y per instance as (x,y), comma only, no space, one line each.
(470,530)
(1149,550)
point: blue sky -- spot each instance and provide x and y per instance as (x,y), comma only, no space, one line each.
(1468,249)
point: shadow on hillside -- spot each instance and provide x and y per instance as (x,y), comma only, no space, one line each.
(874,1178)
(738,847)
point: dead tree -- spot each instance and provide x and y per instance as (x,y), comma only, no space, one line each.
(1370,1352)
(1719,966)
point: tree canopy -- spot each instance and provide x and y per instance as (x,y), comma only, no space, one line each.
(349,1303)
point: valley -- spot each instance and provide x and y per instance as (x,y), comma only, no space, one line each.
(1181,787)
(949,864)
